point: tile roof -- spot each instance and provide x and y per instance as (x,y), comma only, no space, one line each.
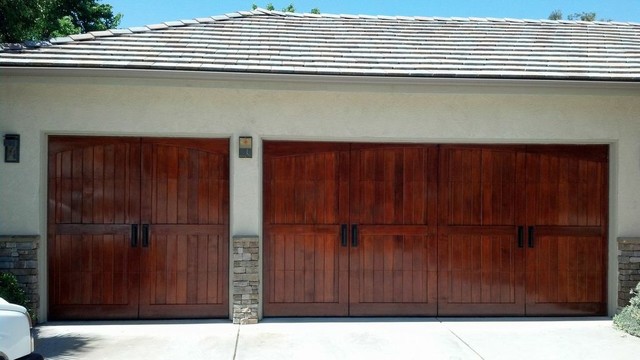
(262,41)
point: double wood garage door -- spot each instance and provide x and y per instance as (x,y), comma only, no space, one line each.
(137,228)
(358,229)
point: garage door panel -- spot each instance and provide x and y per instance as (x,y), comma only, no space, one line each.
(184,270)
(184,185)
(306,204)
(184,250)
(92,270)
(394,184)
(394,268)
(565,271)
(305,269)
(95,184)
(393,241)
(478,185)
(92,198)
(305,189)
(480,270)
(566,190)
(567,213)
(480,252)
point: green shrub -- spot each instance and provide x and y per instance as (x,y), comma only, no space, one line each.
(629,318)
(11,291)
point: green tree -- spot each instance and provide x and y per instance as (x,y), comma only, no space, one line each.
(22,20)
(17,19)
(555,15)
(584,16)
(290,8)
(269,6)
(66,27)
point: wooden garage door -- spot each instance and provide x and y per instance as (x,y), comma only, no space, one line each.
(566,219)
(137,228)
(393,264)
(481,256)
(350,229)
(522,230)
(362,229)
(306,257)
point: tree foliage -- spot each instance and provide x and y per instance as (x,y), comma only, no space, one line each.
(22,20)
(629,318)
(555,15)
(582,16)
(289,8)
(11,291)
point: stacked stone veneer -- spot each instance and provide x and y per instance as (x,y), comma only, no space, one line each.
(19,255)
(628,268)
(245,279)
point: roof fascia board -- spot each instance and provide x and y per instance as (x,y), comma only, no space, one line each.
(417,83)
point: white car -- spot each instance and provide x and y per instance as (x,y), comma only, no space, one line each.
(16,341)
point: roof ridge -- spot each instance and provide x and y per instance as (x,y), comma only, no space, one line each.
(262,12)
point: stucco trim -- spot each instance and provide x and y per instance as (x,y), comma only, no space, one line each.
(597,85)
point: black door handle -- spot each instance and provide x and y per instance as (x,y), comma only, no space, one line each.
(354,235)
(145,235)
(343,235)
(531,241)
(520,236)
(134,235)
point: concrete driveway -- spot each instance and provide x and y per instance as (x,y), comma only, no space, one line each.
(360,338)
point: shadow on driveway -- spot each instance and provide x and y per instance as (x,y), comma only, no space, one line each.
(62,345)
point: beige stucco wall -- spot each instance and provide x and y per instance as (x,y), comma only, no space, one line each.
(358,110)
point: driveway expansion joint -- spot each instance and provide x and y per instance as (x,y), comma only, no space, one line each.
(459,338)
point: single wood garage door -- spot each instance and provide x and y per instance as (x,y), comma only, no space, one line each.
(137,228)
(362,229)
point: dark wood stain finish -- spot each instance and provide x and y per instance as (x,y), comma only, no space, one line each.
(566,203)
(557,195)
(481,268)
(185,201)
(437,229)
(388,192)
(98,188)
(306,201)
(393,204)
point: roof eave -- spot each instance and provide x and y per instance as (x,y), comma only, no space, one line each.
(167,74)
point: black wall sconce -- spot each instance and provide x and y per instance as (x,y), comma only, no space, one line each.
(12,148)
(245,148)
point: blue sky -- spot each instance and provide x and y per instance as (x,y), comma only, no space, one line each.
(144,12)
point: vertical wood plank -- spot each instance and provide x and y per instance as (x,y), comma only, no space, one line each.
(202,269)
(192,269)
(172,270)
(309,266)
(213,263)
(182,261)
(109,184)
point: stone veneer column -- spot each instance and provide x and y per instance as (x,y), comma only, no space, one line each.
(19,256)
(245,279)
(628,268)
